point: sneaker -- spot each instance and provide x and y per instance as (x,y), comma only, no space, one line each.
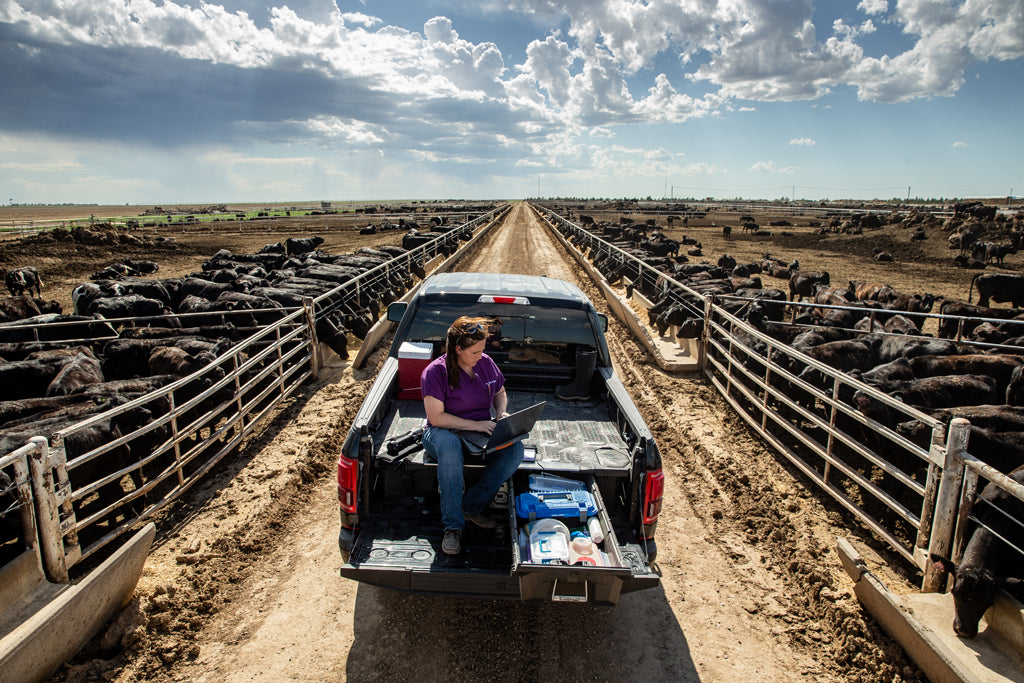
(451,544)
(481,520)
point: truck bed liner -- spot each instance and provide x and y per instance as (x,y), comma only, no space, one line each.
(570,435)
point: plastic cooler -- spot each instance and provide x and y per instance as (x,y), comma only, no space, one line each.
(413,357)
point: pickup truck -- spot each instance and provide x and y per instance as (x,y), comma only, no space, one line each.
(551,342)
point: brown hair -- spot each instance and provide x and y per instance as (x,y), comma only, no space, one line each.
(464,332)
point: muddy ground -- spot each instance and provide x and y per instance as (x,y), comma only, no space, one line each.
(242,583)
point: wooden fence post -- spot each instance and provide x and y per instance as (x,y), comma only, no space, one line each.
(314,344)
(51,545)
(944,523)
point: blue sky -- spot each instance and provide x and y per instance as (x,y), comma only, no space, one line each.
(181,101)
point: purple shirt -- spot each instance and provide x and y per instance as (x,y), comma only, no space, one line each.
(473,398)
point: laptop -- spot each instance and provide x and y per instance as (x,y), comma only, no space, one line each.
(507,431)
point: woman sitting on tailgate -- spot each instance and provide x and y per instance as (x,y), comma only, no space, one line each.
(459,389)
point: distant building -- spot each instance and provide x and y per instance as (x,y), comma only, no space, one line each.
(325,206)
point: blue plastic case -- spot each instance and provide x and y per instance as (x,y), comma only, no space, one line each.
(572,504)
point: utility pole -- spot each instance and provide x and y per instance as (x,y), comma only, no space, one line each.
(908,194)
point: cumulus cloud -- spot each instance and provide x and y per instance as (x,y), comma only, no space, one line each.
(803,142)
(873,6)
(204,71)
(959,145)
(770,167)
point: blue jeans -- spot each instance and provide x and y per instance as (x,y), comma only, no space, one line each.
(446,448)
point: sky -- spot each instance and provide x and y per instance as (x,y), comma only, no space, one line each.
(233,101)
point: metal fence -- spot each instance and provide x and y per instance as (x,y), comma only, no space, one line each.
(886,470)
(97,479)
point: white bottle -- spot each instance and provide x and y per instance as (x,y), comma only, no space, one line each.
(594,527)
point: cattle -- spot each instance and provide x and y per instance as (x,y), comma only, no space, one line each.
(996,252)
(83,370)
(1015,389)
(726,261)
(20,280)
(171,360)
(870,291)
(22,307)
(988,563)
(13,413)
(894,346)
(129,306)
(141,266)
(899,324)
(961,240)
(965,261)
(330,330)
(899,369)
(998,366)
(275,248)
(943,391)
(802,284)
(301,245)
(29,378)
(883,256)
(964,317)
(999,287)
(843,355)
(995,418)
(726,231)
(910,303)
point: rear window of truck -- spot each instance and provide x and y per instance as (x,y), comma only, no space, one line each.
(519,323)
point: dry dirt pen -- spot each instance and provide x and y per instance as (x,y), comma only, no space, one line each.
(913,489)
(69,496)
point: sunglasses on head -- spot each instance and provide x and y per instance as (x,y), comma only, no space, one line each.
(473,328)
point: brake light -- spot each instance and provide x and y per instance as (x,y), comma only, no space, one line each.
(488,299)
(348,477)
(654,490)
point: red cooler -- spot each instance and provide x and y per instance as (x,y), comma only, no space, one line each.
(413,357)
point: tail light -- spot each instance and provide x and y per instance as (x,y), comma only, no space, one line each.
(654,490)
(348,478)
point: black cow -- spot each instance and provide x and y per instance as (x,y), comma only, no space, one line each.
(988,563)
(1015,389)
(21,279)
(944,391)
(22,307)
(83,370)
(171,360)
(965,261)
(997,365)
(802,284)
(948,327)
(129,306)
(302,245)
(998,287)
(330,330)
(142,267)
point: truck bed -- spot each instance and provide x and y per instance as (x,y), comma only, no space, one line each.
(570,436)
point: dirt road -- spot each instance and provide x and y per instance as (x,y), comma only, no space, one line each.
(246,587)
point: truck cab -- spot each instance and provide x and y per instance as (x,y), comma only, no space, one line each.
(549,343)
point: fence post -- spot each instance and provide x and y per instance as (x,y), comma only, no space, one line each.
(314,344)
(702,360)
(944,522)
(931,488)
(51,545)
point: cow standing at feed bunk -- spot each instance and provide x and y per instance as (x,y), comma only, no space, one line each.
(989,563)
